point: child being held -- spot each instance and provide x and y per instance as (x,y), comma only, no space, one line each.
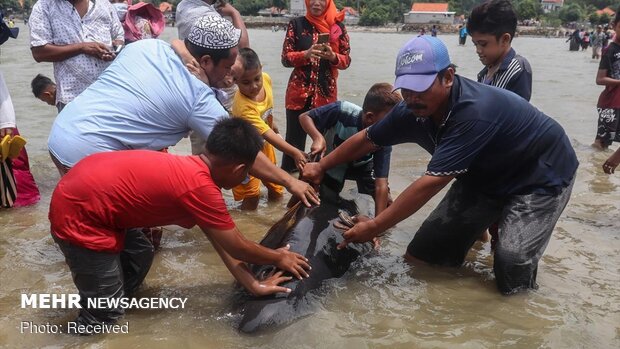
(332,124)
(44,89)
(253,102)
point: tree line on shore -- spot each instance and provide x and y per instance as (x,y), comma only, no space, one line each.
(382,12)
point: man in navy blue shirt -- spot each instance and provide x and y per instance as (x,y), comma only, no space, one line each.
(513,165)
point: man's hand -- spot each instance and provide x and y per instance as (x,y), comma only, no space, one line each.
(318,146)
(270,284)
(313,172)
(612,162)
(5,131)
(226,10)
(304,192)
(97,49)
(361,232)
(292,262)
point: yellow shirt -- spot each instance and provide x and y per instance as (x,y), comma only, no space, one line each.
(259,114)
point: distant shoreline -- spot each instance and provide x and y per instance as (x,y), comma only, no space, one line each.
(269,22)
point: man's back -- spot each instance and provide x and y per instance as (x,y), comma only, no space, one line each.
(109,192)
(491,139)
(147,99)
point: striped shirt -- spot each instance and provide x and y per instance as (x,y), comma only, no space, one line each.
(514,74)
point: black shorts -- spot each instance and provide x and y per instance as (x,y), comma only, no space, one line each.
(607,126)
(525,226)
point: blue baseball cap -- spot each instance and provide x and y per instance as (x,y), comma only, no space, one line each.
(418,63)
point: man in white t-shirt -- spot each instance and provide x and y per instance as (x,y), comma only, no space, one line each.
(148,99)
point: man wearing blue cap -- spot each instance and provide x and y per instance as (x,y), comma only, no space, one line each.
(512,164)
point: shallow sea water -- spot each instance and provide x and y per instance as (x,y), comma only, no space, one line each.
(381,302)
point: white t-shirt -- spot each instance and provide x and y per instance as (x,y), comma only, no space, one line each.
(146,99)
(7,113)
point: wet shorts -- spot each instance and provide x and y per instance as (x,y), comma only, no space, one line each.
(525,226)
(251,187)
(607,126)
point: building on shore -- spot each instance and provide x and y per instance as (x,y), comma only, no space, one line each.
(551,5)
(429,13)
(609,12)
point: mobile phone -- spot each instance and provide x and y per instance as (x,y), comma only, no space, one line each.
(323,38)
(118,49)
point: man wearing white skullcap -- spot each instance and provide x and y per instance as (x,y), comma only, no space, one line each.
(148,99)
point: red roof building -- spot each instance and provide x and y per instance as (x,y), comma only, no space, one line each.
(429,13)
(429,7)
(606,10)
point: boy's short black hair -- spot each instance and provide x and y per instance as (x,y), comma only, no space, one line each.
(381,97)
(234,140)
(617,17)
(495,17)
(39,83)
(249,58)
(199,51)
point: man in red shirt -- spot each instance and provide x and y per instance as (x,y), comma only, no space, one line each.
(96,205)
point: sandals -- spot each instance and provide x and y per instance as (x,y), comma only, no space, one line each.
(16,145)
(4,147)
(10,147)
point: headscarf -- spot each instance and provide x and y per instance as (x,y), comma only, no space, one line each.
(325,23)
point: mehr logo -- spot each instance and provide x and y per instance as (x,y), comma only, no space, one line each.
(50,301)
(72,300)
(411,57)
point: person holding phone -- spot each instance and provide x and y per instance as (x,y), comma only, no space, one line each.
(57,35)
(316,46)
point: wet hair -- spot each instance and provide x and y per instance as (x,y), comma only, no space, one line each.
(39,83)
(495,17)
(249,58)
(381,97)
(617,17)
(198,52)
(234,140)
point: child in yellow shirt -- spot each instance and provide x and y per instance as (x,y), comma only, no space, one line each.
(254,103)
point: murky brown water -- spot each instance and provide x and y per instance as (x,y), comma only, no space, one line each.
(381,303)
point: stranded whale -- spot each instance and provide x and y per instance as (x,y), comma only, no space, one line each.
(310,232)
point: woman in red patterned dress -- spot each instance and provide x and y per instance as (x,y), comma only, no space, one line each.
(315,66)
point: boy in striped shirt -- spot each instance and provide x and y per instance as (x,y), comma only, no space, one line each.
(492,27)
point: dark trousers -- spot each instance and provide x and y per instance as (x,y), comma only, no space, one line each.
(525,226)
(107,275)
(295,136)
